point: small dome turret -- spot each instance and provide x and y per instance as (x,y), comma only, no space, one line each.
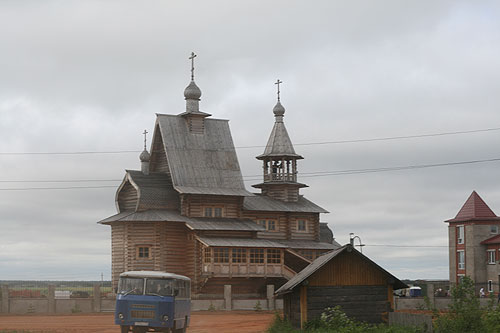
(145,156)
(279,110)
(192,91)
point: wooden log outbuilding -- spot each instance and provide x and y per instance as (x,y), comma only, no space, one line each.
(343,277)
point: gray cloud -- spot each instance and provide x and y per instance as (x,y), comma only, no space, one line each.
(82,76)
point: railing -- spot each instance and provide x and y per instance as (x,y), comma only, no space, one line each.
(242,269)
(284,177)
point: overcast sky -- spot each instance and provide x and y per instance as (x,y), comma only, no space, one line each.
(90,75)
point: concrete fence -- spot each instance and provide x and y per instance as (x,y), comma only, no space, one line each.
(53,303)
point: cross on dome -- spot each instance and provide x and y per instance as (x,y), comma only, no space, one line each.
(278,82)
(193,55)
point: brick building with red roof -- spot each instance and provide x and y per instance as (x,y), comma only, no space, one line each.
(474,244)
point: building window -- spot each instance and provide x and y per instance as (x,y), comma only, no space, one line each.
(256,256)
(221,255)
(460,278)
(239,256)
(460,234)
(461,259)
(273,256)
(491,257)
(493,229)
(490,286)
(213,211)
(143,252)
(302,225)
(308,254)
(270,225)
(207,255)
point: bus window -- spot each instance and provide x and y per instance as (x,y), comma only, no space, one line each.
(162,287)
(130,286)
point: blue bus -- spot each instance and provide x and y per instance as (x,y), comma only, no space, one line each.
(153,302)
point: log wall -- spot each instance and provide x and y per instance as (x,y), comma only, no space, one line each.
(193,205)
(158,161)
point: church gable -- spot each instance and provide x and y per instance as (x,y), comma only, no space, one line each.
(159,162)
(126,196)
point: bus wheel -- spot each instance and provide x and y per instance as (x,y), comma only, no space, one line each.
(124,329)
(139,329)
(180,330)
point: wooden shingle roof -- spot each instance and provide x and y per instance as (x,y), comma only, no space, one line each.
(201,163)
(324,259)
(264,203)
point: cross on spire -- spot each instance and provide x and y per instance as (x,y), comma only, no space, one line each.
(145,132)
(192,65)
(278,84)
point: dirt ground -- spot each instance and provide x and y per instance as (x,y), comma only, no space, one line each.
(201,322)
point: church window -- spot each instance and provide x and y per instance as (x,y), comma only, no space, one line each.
(308,254)
(490,286)
(207,255)
(273,256)
(221,255)
(460,234)
(270,225)
(213,211)
(461,259)
(239,256)
(302,225)
(256,256)
(491,257)
(143,252)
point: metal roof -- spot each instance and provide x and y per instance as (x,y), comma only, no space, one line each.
(309,245)
(321,261)
(194,223)
(154,274)
(239,242)
(475,209)
(264,203)
(201,163)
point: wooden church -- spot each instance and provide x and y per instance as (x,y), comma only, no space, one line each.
(188,212)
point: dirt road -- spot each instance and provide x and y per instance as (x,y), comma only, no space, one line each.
(201,322)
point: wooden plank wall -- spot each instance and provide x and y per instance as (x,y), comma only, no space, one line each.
(127,198)
(192,205)
(348,269)
(363,303)
(117,252)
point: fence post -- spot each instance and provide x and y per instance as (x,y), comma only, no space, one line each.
(430,293)
(5,298)
(227,297)
(51,297)
(97,298)
(270,297)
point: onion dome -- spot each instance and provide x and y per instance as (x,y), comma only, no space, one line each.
(192,91)
(278,109)
(145,156)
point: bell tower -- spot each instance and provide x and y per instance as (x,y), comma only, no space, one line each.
(280,161)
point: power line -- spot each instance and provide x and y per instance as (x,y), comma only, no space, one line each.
(61,181)
(253,177)
(405,137)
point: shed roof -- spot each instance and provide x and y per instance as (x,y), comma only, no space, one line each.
(194,223)
(260,202)
(239,242)
(201,163)
(324,259)
(475,209)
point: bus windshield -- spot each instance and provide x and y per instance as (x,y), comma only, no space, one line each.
(160,287)
(131,286)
